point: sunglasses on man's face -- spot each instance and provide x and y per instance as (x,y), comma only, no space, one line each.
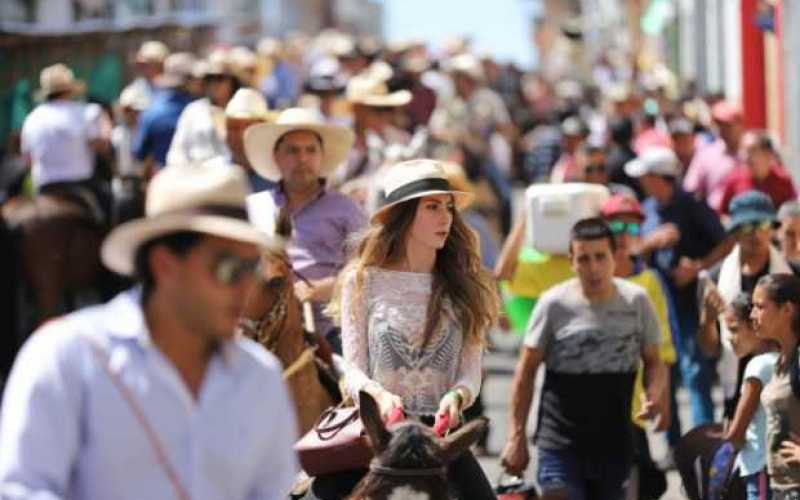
(754,226)
(229,269)
(619,227)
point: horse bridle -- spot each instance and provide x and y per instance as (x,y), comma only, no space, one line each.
(398,472)
(278,309)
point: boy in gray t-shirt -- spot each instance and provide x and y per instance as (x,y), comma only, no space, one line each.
(590,332)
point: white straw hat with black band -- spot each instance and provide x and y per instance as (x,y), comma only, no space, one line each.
(416,179)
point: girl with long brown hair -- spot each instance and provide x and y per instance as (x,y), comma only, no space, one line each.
(415,304)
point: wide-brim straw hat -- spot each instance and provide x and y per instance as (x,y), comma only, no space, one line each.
(249,104)
(178,68)
(260,140)
(152,51)
(59,78)
(416,179)
(195,197)
(369,90)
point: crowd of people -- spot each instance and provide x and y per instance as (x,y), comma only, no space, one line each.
(395,166)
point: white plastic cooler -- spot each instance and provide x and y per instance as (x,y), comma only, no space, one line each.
(552,209)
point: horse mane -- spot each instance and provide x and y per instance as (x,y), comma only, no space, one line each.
(283,224)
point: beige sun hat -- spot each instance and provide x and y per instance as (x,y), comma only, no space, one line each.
(371,91)
(260,141)
(466,64)
(194,197)
(152,51)
(178,68)
(134,97)
(248,104)
(414,179)
(59,78)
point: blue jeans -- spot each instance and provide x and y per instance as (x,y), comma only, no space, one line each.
(757,486)
(695,372)
(583,478)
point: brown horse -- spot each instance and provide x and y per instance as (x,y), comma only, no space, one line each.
(272,316)
(410,459)
(57,247)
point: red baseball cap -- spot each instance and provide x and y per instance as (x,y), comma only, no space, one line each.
(622,204)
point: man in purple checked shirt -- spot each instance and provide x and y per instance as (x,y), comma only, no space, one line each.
(298,151)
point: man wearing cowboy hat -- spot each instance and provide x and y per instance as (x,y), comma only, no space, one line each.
(149,64)
(60,137)
(200,131)
(152,395)
(373,108)
(247,107)
(157,123)
(299,151)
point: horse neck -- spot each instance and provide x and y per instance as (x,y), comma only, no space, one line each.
(286,334)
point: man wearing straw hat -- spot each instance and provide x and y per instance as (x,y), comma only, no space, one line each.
(150,65)
(298,152)
(59,139)
(152,395)
(247,107)
(200,131)
(373,108)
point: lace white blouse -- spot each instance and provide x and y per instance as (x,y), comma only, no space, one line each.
(382,336)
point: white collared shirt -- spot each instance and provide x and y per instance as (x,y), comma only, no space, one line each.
(197,138)
(67,432)
(57,136)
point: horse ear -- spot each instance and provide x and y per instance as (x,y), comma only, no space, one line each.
(458,442)
(373,423)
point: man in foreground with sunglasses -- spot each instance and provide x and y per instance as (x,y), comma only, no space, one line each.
(152,395)
(752,219)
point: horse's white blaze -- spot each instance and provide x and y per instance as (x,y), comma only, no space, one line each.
(407,493)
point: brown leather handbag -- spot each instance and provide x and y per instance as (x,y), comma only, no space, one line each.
(336,443)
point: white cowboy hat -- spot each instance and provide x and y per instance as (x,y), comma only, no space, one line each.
(260,141)
(466,64)
(59,78)
(415,179)
(372,91)
(194,197)
(152,51)
(248,104)
(134,97)
(178,68)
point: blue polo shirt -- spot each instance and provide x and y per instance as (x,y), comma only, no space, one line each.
(157,124)
(700,231)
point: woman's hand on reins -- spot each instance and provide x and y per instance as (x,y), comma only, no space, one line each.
(388,402)
(450,405)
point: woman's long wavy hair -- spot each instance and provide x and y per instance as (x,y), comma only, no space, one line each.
(459,279)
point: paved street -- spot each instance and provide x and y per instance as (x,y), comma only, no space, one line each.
(500,366)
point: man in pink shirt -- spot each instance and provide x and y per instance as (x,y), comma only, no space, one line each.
(707,174)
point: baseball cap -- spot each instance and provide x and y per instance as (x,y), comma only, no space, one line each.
(656,160)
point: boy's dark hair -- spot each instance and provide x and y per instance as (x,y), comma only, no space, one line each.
(179,243)
(593,228)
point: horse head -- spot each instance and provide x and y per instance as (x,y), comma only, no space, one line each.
(410,459)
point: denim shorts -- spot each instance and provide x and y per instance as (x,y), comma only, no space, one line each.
(598,478)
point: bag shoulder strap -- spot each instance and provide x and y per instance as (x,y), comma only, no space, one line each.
(103,359)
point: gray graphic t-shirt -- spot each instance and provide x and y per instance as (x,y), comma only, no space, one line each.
(591,354)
